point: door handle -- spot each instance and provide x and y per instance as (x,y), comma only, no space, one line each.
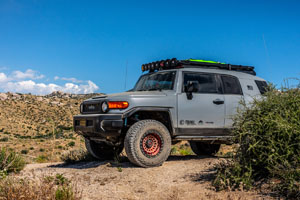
(218,101)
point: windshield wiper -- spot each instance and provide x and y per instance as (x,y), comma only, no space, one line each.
(153,89)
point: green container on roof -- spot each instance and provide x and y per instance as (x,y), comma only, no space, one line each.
(205,61)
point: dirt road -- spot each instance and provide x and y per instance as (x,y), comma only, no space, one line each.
(181,177)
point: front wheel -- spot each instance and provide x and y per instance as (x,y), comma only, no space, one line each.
(201,148)
(148,143)
(101,150)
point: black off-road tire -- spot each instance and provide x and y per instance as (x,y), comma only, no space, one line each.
(201,148)
(148,143)
(101,150)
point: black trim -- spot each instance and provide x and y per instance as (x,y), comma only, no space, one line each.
(202,131)
(98,125)
(145,108)
(151,109)
(206,139)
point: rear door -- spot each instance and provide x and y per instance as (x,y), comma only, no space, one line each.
(206,110)
(233,94)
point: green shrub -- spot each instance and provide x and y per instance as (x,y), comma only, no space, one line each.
(10,161)
(183,150)
(41,159)
(269,136)
(4,139)
(24,151)
(71,144)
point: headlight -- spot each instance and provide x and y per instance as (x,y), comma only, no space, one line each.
(104,107)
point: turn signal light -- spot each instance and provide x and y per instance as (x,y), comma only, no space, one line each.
(118,104)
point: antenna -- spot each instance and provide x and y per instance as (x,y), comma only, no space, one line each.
(267,52)
(126,75)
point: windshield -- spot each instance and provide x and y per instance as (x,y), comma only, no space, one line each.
(156,81)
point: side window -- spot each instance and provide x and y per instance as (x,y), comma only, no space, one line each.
(231,85)
(206,82)
(262,86)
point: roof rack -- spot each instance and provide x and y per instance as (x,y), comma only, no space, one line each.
(191,63)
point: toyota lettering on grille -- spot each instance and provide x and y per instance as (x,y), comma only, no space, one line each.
(91,107)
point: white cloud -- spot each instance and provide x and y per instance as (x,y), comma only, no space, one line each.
(3,77)
(28,74)
(17,82)
(74,80)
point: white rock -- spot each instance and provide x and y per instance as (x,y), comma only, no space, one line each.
(39,98)
(3,96)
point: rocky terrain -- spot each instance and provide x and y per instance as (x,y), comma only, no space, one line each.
(181,177)
(39,127)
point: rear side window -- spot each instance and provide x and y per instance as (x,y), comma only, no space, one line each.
(207,82)
(262,86)
(231,85)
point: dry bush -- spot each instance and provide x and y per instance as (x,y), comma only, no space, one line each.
(10,161)
(50,188)
(76,155)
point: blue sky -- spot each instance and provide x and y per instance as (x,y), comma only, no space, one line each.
(83,46)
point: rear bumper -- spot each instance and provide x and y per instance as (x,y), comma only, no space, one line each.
(101,125)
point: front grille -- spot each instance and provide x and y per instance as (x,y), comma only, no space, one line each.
(91,108)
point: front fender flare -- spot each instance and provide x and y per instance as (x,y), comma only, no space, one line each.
(150,109)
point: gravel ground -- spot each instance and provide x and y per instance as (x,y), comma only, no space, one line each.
(181,177)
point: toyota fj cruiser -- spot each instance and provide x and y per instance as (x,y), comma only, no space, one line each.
(192,100)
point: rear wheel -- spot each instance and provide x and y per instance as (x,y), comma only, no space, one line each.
(148,143)
(101,150)
(201,148)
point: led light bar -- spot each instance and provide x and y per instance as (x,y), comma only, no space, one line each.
(160,65)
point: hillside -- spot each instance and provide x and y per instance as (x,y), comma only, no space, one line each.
(39,127)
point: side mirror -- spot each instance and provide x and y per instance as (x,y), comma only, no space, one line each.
(191,86)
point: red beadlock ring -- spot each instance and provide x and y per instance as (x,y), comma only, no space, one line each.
(151,144)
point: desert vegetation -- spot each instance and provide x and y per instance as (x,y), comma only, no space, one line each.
(10,161)
(40,127)
(51,187)
(13,187)
(268,133)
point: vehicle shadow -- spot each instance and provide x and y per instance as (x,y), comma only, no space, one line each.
(187,157)
(122,162)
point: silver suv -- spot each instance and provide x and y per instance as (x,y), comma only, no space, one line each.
(192,100)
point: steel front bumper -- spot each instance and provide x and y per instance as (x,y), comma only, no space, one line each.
(101,125)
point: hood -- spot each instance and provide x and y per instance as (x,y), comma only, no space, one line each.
(126,95)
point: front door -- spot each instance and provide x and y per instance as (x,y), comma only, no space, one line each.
(203,114)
